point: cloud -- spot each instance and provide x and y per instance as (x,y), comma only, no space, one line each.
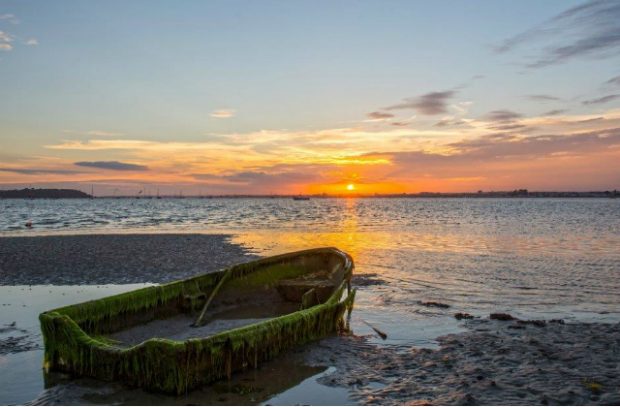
(5,41)
(100,133)
(270,178)
(543,98)
(509,126)
(501,145)
(37,171)
(428,104)
(112,165)
(450,123)
(380,115)
(502,116)
(10,18)
(32,42)
(223,113)
(554,112)
(615,81)
(601,100)
(587,30)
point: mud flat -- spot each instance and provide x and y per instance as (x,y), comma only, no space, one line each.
(113,259)
(493,362)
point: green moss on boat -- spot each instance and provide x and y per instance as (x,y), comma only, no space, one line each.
(78,337)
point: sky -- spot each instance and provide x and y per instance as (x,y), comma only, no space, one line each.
(287,97)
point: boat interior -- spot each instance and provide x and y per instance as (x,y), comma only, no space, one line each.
(266,290)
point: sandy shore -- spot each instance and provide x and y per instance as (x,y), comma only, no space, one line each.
(494,362)
(113,259)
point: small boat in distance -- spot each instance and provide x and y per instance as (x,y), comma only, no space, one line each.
(250,313)
(301,198)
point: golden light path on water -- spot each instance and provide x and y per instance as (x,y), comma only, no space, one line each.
(529,276)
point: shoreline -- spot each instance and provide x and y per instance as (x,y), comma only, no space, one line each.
(114,258)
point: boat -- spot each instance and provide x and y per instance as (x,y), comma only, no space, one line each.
(301,198)
(178,336)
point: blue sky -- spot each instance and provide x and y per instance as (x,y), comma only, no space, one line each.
(156,71)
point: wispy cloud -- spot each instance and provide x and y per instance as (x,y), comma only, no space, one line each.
(502,116)
(543,98)
(223,113)
(587,30)
(5,41)
(112,165)
(429,104)
(601,100)
(94,133)
(37,171)
(509,145)
(615,81)
(101,133)
(554,112)
(295,175)
(449,122)
(379,115)
(10,18)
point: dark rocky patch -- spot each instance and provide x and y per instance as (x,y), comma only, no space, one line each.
(502,317)
(368,279)
(433,304)
(463,315)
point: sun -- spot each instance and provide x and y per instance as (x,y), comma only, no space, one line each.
(350,187)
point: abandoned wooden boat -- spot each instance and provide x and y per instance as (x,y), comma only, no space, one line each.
(253,311)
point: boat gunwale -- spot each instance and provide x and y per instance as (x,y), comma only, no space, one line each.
(335,297)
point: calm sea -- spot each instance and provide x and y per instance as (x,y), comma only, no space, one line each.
(533,258)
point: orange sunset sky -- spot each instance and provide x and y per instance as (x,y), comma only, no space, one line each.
(284,98)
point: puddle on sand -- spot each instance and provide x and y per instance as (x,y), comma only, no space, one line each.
(310,392)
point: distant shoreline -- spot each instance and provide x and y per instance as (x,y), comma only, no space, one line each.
(30,193)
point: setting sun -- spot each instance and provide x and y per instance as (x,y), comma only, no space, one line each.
(350,187)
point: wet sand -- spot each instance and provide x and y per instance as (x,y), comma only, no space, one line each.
(114,259)
(493,362)
(14,339)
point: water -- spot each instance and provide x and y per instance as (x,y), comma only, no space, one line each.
(533,258)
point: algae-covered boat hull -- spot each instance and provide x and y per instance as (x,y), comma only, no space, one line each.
(76,336)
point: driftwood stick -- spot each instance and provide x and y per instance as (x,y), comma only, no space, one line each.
(382,334)
(200,320)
